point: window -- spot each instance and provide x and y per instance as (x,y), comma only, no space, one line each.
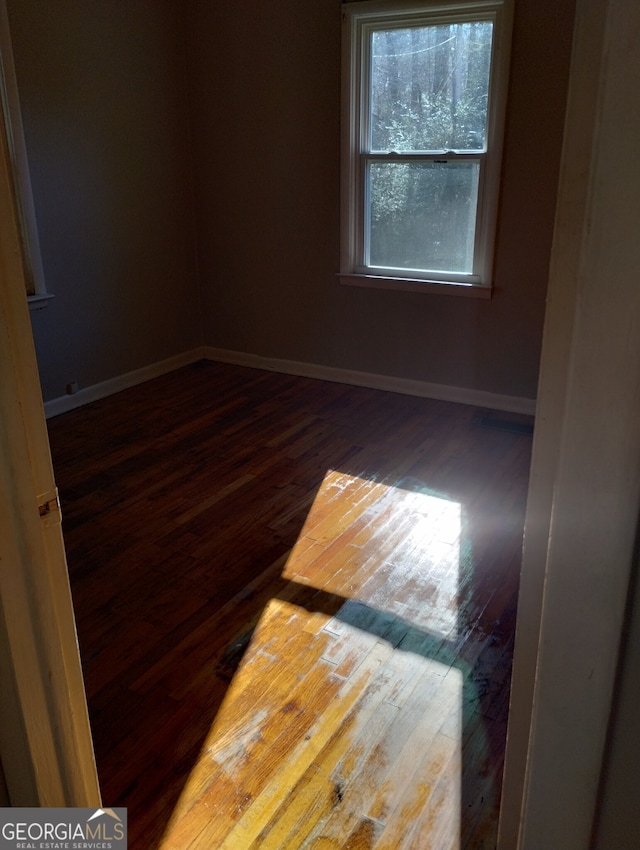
(424,91)
(14,134)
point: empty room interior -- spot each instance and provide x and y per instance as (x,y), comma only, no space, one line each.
(293,508)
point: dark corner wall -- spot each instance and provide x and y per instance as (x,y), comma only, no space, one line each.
(131,168)
(102,89)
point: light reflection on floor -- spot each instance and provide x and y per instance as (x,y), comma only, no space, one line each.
(390,735)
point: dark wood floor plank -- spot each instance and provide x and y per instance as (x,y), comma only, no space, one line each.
(296,605)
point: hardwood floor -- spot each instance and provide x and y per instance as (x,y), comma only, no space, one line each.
(296,604)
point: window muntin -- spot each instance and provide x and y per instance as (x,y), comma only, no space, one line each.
(425,94)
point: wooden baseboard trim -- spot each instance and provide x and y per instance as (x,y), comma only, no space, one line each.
(406,386)
(64,403)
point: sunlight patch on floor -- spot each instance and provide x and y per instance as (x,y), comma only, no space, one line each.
(413,535)
(344,717)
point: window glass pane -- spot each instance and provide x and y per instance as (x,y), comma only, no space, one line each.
(429,87)
(423,215)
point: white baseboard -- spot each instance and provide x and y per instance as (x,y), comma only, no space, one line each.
(406,386)
(122,382)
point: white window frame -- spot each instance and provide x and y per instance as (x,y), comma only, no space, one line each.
(37,294)
(360,19)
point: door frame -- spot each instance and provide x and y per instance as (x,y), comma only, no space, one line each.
(584,492)
(46,748)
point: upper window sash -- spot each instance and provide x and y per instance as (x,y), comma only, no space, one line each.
(385,21)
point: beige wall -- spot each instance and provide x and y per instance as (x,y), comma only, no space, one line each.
(102,87)
(265,81)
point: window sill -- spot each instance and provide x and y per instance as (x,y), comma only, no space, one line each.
(402,284)
(39,301)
